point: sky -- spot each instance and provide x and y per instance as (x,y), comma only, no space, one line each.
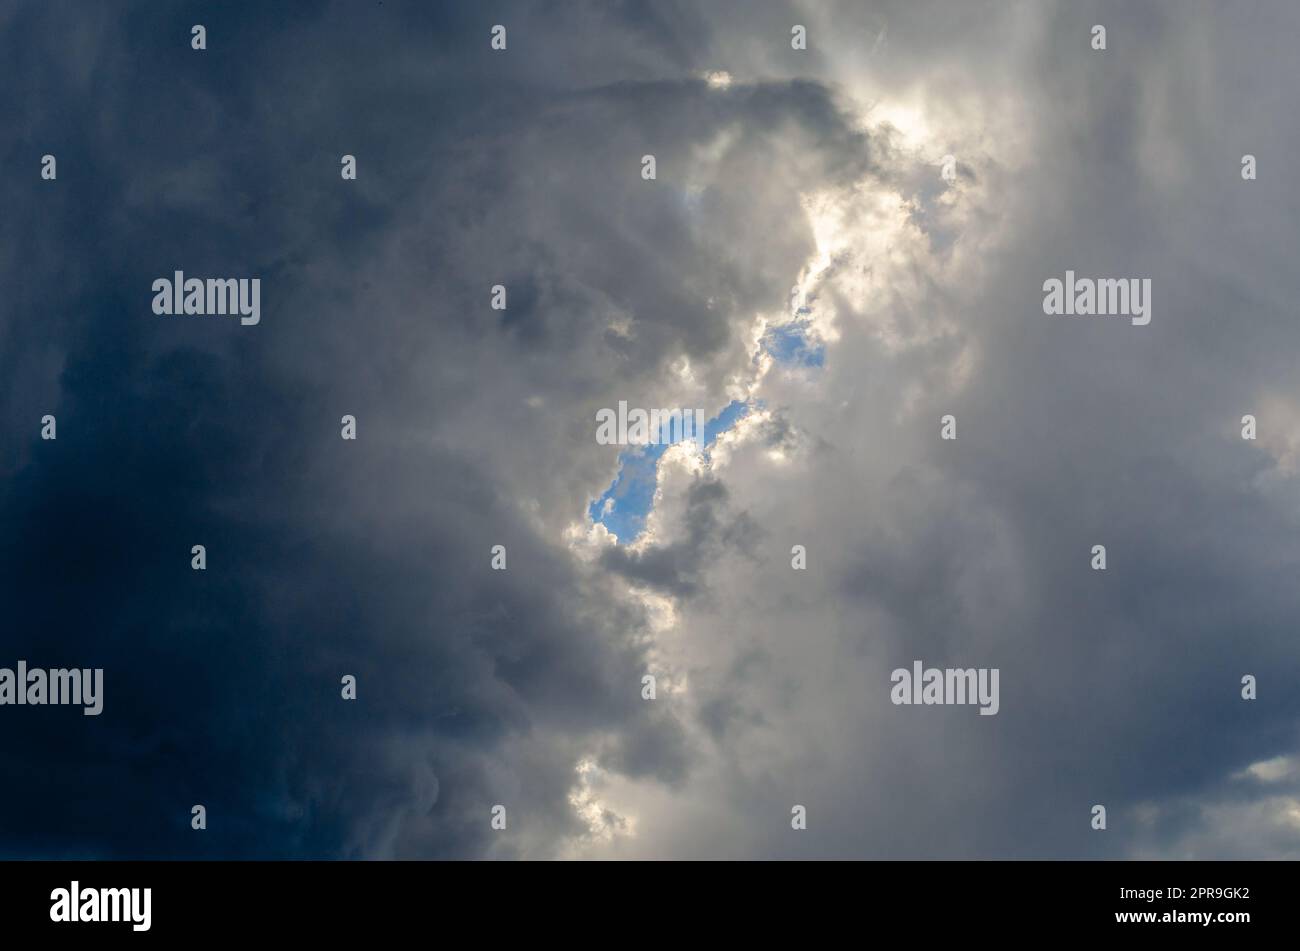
(841,245)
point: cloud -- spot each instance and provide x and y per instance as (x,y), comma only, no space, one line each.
(805,191)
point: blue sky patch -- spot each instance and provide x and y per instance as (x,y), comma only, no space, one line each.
(632,492)
(789,345)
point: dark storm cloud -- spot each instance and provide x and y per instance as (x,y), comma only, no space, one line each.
(371,557)
(475,687)
(223,686)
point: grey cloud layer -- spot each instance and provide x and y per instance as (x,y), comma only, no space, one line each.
(478,687)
